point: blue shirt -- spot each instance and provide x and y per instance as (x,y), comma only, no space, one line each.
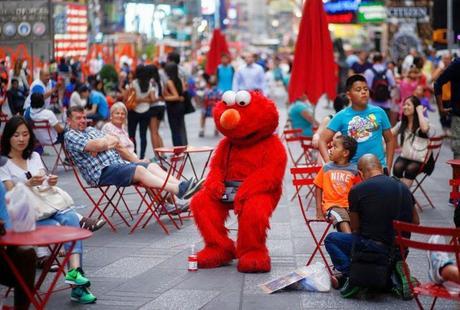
(297,120)
(250,78)
(99,100)
(366,127)
(3,212)
(225,77)
(89,166)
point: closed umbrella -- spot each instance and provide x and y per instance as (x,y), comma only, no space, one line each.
(314,71)
(217,48)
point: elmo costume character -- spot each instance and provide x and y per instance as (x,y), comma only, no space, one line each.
(253,155)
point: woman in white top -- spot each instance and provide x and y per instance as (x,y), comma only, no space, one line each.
(145,95)
(79,96)
(24,165)
(19,73)
(157,109)
(412,124)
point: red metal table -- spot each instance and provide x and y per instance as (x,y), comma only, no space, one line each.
(188,151)
(52,236)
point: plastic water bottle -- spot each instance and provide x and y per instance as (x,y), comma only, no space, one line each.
(192,259)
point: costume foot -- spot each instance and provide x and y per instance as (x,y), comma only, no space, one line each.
(211,257)
(256,261)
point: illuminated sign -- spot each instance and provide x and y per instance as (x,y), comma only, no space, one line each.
(345,18)
(340,7)
(407,12)
(371,12)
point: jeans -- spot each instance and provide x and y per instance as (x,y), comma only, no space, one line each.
(175,111)
(339,246)
(143,119)
(69,218)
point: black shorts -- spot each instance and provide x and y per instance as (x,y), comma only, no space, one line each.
(157,112)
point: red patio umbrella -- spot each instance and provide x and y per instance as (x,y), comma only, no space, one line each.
(313,69)
(217,47)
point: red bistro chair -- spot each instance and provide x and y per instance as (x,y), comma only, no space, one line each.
(428,289)
(155,199)
(299,147)
(103,197)
(434,150)
(303,178)
(57,148)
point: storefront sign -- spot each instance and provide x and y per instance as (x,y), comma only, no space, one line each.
(371,12)
(407,12)
(345,18)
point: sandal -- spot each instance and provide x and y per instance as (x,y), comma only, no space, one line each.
(91,224)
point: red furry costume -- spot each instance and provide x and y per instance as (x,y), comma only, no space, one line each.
(251,153)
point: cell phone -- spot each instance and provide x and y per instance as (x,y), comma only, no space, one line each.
(28,175)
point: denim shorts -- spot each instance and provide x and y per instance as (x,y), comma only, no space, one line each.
(120,175)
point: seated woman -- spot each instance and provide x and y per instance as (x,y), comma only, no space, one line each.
(301,115)
(117,127)
(25,166)
(412,123)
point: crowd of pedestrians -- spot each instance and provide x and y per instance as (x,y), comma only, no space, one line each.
(384,107)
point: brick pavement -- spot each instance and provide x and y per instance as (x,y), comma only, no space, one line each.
(148,269)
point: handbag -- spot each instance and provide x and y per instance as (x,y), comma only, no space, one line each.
(231,188)
(50,200)
(415,147)
(188,105)
(130,100)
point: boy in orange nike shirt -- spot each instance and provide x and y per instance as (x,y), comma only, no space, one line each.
(334,181)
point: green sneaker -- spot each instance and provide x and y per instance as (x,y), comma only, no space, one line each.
(82,295)
(76,277)
(349,291)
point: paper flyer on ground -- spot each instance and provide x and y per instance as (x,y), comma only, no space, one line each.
(286,280)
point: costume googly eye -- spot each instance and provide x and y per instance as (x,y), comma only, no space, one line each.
(243,98)
(229,98)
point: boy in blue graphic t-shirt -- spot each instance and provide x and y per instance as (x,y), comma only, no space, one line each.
(367,124)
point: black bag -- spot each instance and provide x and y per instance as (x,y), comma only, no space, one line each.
(189,108)
(380,90)
(231,188)
(370,269)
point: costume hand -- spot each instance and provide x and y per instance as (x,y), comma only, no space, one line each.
(2,228)
(36,180)
(215,189)
(52,180)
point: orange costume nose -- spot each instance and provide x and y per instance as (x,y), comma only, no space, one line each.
(230,119)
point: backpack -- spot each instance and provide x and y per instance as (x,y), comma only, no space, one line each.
(380,90)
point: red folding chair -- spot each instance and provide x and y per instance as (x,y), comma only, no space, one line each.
(428,289)
(299,147)
(155,199)
(57,148)
(103,197)
(434,150)
(302,178)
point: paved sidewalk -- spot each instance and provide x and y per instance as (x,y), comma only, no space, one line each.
(148,269)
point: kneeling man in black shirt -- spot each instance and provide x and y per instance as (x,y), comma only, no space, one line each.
(374,204)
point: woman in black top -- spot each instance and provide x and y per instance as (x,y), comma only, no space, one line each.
(175,107)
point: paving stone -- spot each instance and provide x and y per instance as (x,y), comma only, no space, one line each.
(225,301)
(181,300)
(154,281)
(285,301)
(127,267)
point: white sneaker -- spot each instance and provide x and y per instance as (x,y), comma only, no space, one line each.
(437,260)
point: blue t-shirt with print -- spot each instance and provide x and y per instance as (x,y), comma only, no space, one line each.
(297,120)
(366,127)
(99,100)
